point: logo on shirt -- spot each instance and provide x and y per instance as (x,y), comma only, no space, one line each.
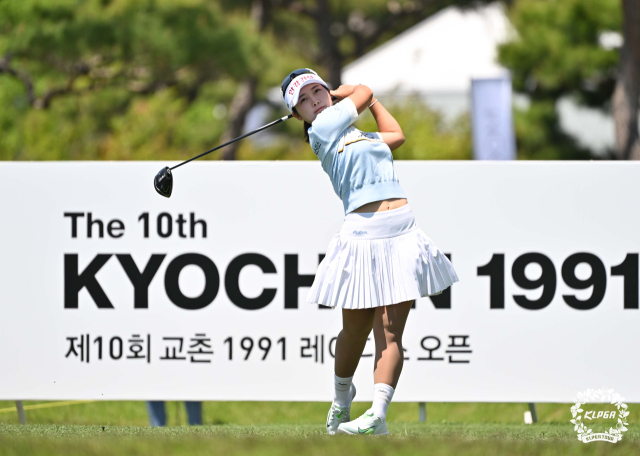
(316,148)
(352,135)
(359,232)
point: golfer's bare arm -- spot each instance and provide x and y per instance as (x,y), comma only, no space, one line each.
(388,126)
(362,97)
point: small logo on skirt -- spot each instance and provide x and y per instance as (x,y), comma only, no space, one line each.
(359,232)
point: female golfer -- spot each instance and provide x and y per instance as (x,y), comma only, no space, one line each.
(380,261)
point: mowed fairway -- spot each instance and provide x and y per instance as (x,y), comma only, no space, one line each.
(291,428)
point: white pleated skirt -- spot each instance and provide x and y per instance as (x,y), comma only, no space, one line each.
(379,259)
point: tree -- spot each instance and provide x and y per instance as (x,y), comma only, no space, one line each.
(624,104)
(137,79)
(143,45)
(245,96)
(329,34)
(559,52)
(347,29)
(118,54)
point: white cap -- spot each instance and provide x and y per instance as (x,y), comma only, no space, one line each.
(293,89)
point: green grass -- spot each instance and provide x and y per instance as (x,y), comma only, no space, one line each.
(297,428)
(130,413)
(272,440)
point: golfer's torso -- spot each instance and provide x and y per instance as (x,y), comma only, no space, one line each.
(360,166)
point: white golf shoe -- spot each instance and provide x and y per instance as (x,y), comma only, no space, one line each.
(338,414)
(367,424)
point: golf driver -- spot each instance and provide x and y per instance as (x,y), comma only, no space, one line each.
(163,182)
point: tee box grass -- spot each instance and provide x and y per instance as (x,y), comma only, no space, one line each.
(274,428)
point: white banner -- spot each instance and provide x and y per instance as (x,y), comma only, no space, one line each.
(110,291)
(493,131)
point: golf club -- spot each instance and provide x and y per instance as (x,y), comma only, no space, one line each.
(163,182)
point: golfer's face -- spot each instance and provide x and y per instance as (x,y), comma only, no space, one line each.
(314,98)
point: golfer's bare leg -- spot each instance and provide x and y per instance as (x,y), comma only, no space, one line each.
(356,327)
(388,327)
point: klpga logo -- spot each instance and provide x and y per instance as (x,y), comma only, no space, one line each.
(585,433)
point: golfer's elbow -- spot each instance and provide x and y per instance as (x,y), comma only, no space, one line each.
(398,140)
(393,139)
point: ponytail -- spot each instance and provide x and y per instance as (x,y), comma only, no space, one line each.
(307,125)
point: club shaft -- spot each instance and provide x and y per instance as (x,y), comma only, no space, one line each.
(282,119)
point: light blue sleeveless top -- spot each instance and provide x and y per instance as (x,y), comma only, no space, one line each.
(359,164)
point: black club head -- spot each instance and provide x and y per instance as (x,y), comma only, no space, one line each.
(163,182)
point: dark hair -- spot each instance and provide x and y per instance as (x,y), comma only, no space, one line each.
(307,125)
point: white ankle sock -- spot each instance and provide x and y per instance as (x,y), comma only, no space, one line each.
(342,390)
(382,395)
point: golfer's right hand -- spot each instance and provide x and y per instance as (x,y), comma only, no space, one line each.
(342,92)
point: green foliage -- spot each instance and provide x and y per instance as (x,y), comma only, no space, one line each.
(110,124)
(160,36)
(540,137)
(154,79)
(14,107)
(427,135)
(558,53)
(123,79)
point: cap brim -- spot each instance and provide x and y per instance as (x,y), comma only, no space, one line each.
(296,94)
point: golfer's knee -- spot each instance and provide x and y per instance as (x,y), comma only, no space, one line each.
(392,335)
